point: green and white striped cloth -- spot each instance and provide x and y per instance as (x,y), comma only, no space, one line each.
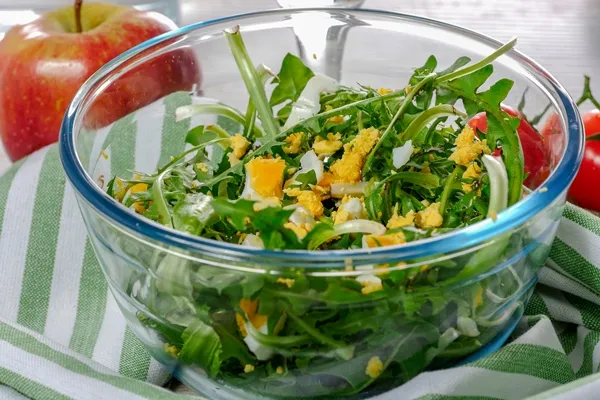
(62,335)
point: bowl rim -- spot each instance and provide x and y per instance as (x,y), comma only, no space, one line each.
(460,239)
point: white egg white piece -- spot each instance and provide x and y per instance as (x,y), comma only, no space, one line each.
(368,278)
(261,352)
(301,216)
(467,326)
(339,190)
(355,208)
(308,103)
(401,155)
(252,240)
(249,193)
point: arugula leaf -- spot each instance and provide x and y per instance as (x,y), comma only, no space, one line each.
(202,346)
(238,211)
(292,78)
(307,178)
(193,213)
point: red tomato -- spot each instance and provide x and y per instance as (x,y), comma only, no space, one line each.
(585,191)
(532,143)
(553,136)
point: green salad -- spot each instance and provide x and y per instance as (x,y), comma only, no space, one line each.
(322,166)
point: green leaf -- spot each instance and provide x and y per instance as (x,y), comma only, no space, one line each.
(293,77)
(202,346)
(307,178)
(232,346)
(193,213)
(237,211)
(460,62)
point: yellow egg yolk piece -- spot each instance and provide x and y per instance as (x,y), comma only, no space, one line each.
(307,199)
(348,169)
(472,172)
(383,91)
(374,367)
(430,217)
(298,230)
(289,282)
(266,176)
(385,240)
(467,148)
(294,142)
(399,221)
(250,307)
(239,145)
(329,146)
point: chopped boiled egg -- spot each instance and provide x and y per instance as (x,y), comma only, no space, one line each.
(308,103)
(233,160)
(383,91)
(399,221)
(294,142)
(298,230)
(468,148)
(289,282)
(401,155)
(264,178)
(374,367)
(350,208)
(472,172)
(239,145)
(302,217)
(390,239)
(430,217)
(307,199)
(328,146)
(348,168)
(255,321)
(252,240)
(352,189)
(370,283)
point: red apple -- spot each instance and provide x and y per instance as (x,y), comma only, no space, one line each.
(43,64)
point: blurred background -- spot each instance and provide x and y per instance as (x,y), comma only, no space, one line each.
(561,35)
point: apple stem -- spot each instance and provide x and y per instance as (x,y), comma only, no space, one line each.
(78,4)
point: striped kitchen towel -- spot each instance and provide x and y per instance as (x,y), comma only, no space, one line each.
(62,335)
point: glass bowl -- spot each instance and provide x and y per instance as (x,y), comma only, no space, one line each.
(188,298)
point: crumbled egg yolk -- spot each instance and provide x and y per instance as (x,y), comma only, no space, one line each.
(202,167)
(329,146)
(430,217)
(138,187)
(307,199)
(233,160)
(342,215)
(300,231)
(239,145)
(264,203)
(467,148)
(248,368)
(280,370)
(336,119)
(294,142)
(348,168)
(374,367)
(257,320)
(370,287)
(289,282)
(385,240)
(472,172)
(399,221)
(171,350)
(478,300)
(266,176)
(383,91)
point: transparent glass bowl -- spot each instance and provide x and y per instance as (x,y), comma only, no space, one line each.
(164,281)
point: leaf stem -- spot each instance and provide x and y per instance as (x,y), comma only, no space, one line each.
(480,64)
(251,80)
(587,93)
(448,189)
(401,110)
(426,116)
